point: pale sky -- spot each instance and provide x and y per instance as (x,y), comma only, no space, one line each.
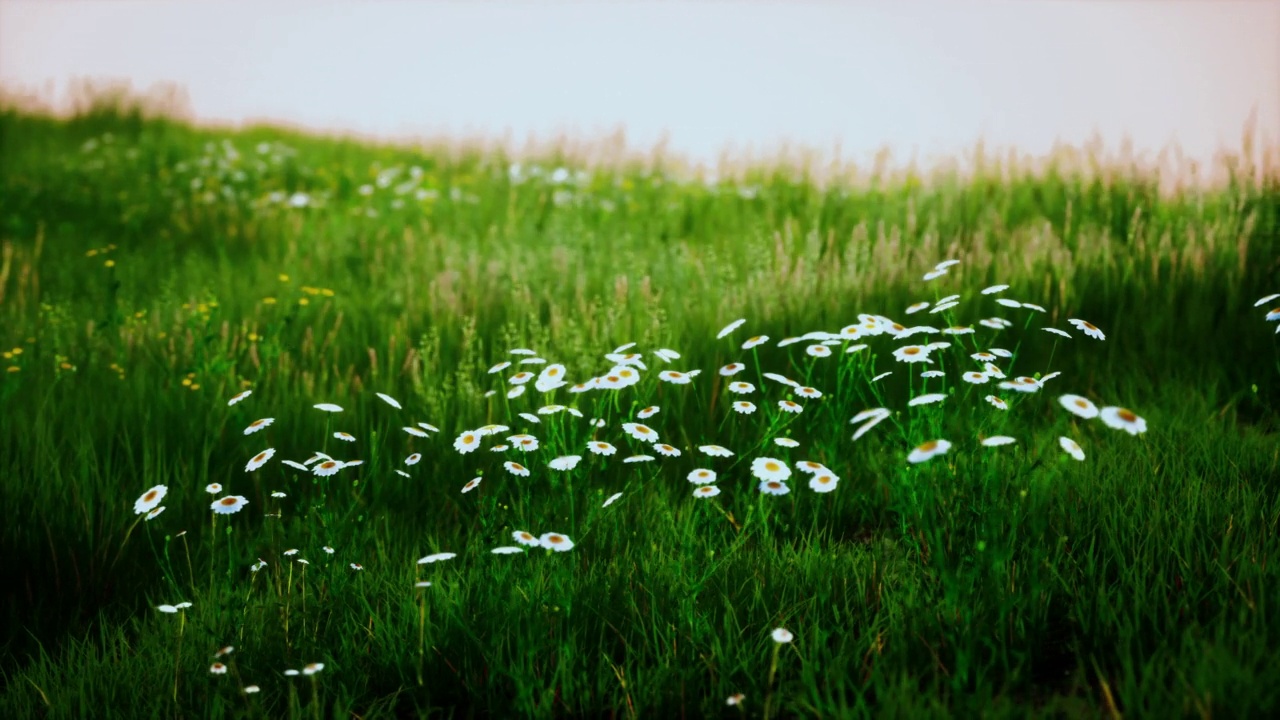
(930,76)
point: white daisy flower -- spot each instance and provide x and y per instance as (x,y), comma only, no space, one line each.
(327,468)
(437,557)
(500,367)
(946,264)
(624,347)
(911,354)
(1080,406)
(295,465)
(992,370)
(702,476)
(939,345)
(637,458)
(812,468)
(730,327)
(823,483)
(786,442)
(530,417)
(732,369)
(412,460)
(976,378)
(866,427)
(927,450)
(213,488)
(522,351)
(328,407)
(525,538)
(882,376)
(257,425)
(673,377)
(552,373)
(600,447)
(958,330)
(984,356)
(506,550)
(556,541)
(818,351)
(1049,377)
(1056,331)
(150,500)
(916,307)
(1033,306)
(666,450)
(643,433)
(993,323)
(612,499)
(741,388)
(259,460)
(633,359)
(926,399)
(715,451)
(1000,352)
(389,400)
(415,431)
(345,436)
(1260,303)
(943,307)
(767,468)
(356,566)
(997,402)
(934,274)
(755,341)
(473,483)
(789,406)
(648,412)
(1009,303)
(998,440)
(774,487)
(994,289)
(869,414)
(533,361)
(229,504)
(583,386)
(520,378)
(667,355)
(744,407)
(218,669)
(1120,418)
(565,462)
(516,468)
(491,429)
(932,374)
(782,379)
(242,395)
(467,441)
(526,443)
(1021,383)
(1088,328)
(706,491)
(1071,447)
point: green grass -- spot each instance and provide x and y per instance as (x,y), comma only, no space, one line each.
(1001,582)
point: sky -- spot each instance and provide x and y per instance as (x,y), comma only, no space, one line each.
(929,77)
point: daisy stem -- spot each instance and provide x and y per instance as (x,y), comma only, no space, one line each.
(125,542)
(422,628)
(315,698)
(773,669)
(177,653)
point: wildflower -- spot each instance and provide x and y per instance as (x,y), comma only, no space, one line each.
(911,354)
(1009,303)
(997,402)
(866,427)
(525,538)
(925,451)
(1090,329)
(958,330)
(437,557)
(530,417)
(1033,306)
(916,307)
(1071,447)
(291,672)
(767,468)
(229,504)
(648,412)
(467,442)
(946,264)
(811,467)
(774,487)
(818,351)
(881,376)
(491,429)
(389,400)
(640,432)
(730,327)
(551,377)
(943,307)
(257,425)
(823,483)
(994,289)
(976,378)
(741,388)
(998,440)
(473,483)
(422,584)
(520,378)
(808,392)
(259,460)
(312,668)
(516,468)
(782,379)
(600,447)
(785,442)
(565,462)
(932,374)
(673,377)
(1000,352)
(428,427)
(403,473)
(665,449)
(702,476)
(1266,300)
(526,443)
(1021,383)
(755,341)
(500,367)
(213,488)
(869,414)
(411,430)
(735,699)
(327,468)
(238,397)
(637,458)
(329,407)
(715,451)
(991,370)
(327,549)
(506,550)
(744,407)
(251,689)
(413,459)
(926,399)
(706,491)
(258,565)
(218,669)
(155,513)
(583,387)
(150,499)
(789,406)
(522,351)
(934,274)
(356,566)
(612,498)
(1120,418)
(556,541)
(1077,405)
(533,361)
(732,369)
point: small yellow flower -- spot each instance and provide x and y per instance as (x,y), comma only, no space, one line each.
(326,292)
(18,350)
(186,381)
(14,368)
(202,308)
(253,337)
(91,253)
(8,355)
(268,301)
(284,278)
(303,301)
(195,386)
(67,366)
(162,335)
(109,263)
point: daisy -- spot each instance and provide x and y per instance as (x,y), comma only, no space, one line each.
(732,369)
(926,399)
(1033,306)
(789,406)
(808,392)
(229,504)
(623,347)
(556,541)
(533,361)
(994,289)
(958,330)
(934,274)
(741,388)
(552,373)
(667,450)
(491,429)
(785,442)
(612,499)
(467,442)
(925,451)
(730,327)
(437,557)
(1079,406)
(992,370)
(715,451)
(257,425)
(823,483)
(993,323)
(911,354)
(1120,418)
(428,427)
(648,412)
(744,407)
(850,332)
(516,468)
(356,566)
(735,699)
(782,379)
(213,488)
(327,468)
(413,459)
(811,467)
(472,484)
(1009,303)
(943,307)
(643,433)
(520,378)
(259,460)
(348,437)
(565,462)
(240,396)
(294,465)
(666,354)
(706,491)
(916,307)
(218,669)
(882,376)
(818,351)
(866,427)
(1021,383)
(522,351)
(673,377)
(997,402)
(998,440)
(755,341)
(637,458)
(1071,447)
(946,264)
(976,378)
(1000,352)
(1090,329)
(389,400)
(506,550)
(869,414)
(600,447)
(251,689)
(500,367)
(150,500)
(932,374)
(939,345)
(583,387)
(983,356)
(767,468)
(1056,331)
(1260,303)
(773,487)
(1049,377)
(530,417)
(525,538)
(702,476)
(328,407)
(526,443)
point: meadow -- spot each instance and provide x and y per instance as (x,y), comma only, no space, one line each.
(442,432)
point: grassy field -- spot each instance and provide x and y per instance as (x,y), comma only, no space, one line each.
(152,272)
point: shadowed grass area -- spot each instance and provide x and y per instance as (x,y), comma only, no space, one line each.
(152,270)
